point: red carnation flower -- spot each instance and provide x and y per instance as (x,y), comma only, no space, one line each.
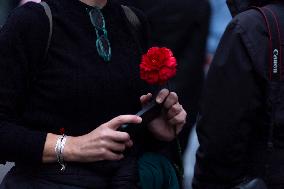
(158,66)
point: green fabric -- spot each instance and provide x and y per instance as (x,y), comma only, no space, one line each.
(157,172)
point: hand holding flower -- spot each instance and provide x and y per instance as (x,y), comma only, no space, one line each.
(172,117)
(164,115)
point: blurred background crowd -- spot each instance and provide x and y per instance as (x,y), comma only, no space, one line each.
(192,29)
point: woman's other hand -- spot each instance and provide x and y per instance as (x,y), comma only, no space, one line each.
(172,117)
(104,143)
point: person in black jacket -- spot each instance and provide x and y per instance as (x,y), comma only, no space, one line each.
(181,25)
(233,130)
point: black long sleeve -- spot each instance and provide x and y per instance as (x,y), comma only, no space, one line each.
(18,39)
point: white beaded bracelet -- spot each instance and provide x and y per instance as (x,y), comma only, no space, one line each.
(59,149)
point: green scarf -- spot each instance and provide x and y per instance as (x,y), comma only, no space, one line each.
(156,172)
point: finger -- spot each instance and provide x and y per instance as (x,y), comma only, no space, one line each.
(116,122)
(179,119)
(179,128)
(116,146)
(145,99)
(118,136)
(162,96)
(129,144)
(111,156)
(171,100)
(174,110)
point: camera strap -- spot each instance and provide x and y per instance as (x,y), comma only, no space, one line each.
(275,51)
(270,14)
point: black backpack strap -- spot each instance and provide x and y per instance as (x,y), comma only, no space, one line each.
(135,24)
(48,13)
(132,17)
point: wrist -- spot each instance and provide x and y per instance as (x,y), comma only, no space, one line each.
(70,152)
(49,155)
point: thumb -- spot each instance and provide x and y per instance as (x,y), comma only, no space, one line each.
(145,99)
(163,94)
(116,122)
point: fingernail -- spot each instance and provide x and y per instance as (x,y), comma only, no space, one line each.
(139,119)
(159,100)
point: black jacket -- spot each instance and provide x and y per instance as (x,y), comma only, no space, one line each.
(233,128)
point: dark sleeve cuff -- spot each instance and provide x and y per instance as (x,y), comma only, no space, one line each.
(20,144)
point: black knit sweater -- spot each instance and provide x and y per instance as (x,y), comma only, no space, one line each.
(74,89)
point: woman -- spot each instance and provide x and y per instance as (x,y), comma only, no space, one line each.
(78,90)
(234,128)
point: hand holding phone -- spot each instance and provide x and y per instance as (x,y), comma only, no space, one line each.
(149,112)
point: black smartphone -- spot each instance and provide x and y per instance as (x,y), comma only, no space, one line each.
(149,112)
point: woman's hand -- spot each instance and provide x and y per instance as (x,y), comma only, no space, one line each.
(172,117)
(104,143)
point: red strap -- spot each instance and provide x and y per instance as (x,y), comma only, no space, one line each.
(275,49)
(276,19)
